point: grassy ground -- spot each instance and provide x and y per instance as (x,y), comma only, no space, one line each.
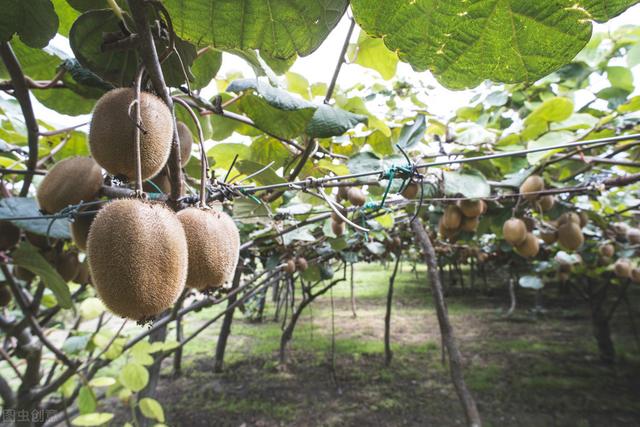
(527,371)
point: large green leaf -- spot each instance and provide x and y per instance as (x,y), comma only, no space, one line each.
(466,42)
(134,376)
(35,21)
(266,177)
(273,110)
(329,121)
(470,184)
(27,256)
(279,28)
(14,207)
(371,52)
(205,67)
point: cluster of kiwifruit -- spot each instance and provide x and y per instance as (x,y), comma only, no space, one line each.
(464,216)
(296,264)
(517,234)
(566,230)
(624,269)
(353,195)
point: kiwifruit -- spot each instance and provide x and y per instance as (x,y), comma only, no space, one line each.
(81,225)
(482,257)
(5,295)
(396,243)
(564,266)
(39,241)
(530,247)
(471,208)
(452,217)
(546,202)
(159,183)
(356,196)
(84,276)
(410,191)
(342,193)
(570,236)
(633,236)
(9,235)
(214,247)
(621,229)
(530,223)
(336,218)
(22,273)
(301,264)
(446,233)
(584,219)
(622,268)
(338,228)
(569,217)
(635,275)
(112,140)
(138,258)
(549,236)
(69,182)
(514,231)
(470,224)
(67,265)
(607,250)
(186,143)
(532,184)
(290,266)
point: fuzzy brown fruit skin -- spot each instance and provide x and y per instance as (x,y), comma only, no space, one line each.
(532,184)
(5,295)
(470,225)
(67,265)
(301,264)
(338,228)
(9,235)
(568,217)
(446,233)
(514,231)
(549,237)
(138,258)
(471,208)
(621,229)
(635,275)
(342,193)
(452,217)
(356,196)
(530,247)
(290,266)
(84,276)
(633,236)
(546,202)
(570,236)
(80,227)
(622,268)
(111,136)
(214,247)
(482,257)
(186,143)
(410,192)
(69,182)
(584,219)
(607,250)
(159,183)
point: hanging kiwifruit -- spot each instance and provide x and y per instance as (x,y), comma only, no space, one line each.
(138,258)
(158,184)
(9,235)
(482,257)
(530,247)
(568,217)
(633,236)
(214,247)
(84,275)
(570,236)
(67,265)
(301,264)
(338,228)
(290,266)
(635,275)
(546,202)
(470,224)
(112,139)
(584,219)
(69,182)
(342,193)
(356,196)
(337,218)
(607,250)
(514,231)
(532,184)
(452,217)
(39,241)
(622,268)
(410,191)
(81,225)
(621,229)
(22,273)
(5,295)
(549,236)
(471,208)
(186,143)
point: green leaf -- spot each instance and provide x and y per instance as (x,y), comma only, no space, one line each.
(27,256)
(329,121)
(86,400)
(19,207)
(631,106)
(35,21)
(134,377)
(151,408)
(531,282)
(66,14)
(552,110)
(266,177)
(548,140)
(412,134)
(91,308)
(364,162)
(95,419)
(372,53)
(464,43)
(297,83)
(470,184)
(376,248)
(604,10)
(265,150)
(205,68)
(102,382)
(621,77)
(273,110)
(223,154)
(76,344)
(280,29)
